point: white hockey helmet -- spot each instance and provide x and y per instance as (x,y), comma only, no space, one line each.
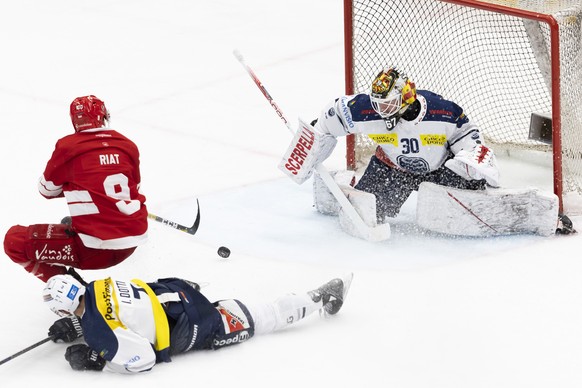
(62,293)
(391,92)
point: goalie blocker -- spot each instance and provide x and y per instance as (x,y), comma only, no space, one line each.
(307,149)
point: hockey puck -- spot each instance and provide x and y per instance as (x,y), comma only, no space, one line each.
(223,252)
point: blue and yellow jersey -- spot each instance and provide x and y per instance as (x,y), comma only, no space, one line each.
(125,323)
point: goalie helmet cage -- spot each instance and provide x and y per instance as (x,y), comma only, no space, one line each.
(501,60)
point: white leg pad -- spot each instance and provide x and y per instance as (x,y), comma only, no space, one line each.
(486,213)
(323,199)
(364,204)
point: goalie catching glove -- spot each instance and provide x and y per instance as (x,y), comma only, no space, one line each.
(480,163)
(307,149)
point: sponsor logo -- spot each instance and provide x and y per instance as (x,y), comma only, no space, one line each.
(346,112)
(106,295)
(234,322)
(433,140)
(72,292)
(417,165)
(194,335)
(385,138)
(132,360)
(300,152)
(239,337)
(443,112)
(331,112)
(45,254)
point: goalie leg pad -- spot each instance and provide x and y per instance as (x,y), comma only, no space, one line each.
(363,202)
(486,213)
(323,199)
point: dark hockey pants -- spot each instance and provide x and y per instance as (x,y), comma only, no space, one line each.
(392,186)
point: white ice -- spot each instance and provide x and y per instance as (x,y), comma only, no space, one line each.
(424,310)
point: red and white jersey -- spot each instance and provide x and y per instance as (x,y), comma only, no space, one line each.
(97,171)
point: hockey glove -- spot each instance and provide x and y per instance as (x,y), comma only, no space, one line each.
(66,329)
(82,357)
(308,148)
(480,163)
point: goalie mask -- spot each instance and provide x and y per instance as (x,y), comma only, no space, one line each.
(392,93)
(88,112)
(62,294)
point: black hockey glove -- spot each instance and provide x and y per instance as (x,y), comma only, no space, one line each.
(66,329)
(82,357)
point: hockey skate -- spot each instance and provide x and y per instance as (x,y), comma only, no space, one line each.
(565,225)
(332,294)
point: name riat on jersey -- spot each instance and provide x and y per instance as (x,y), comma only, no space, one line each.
(105,159)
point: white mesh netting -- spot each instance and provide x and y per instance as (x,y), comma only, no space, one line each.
(496,66)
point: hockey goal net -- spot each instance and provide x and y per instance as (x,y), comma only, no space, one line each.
(501,60)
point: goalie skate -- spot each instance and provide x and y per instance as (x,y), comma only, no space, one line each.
(332,294)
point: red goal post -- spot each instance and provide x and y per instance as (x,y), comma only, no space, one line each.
(501,60)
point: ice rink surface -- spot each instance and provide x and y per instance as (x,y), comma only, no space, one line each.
(424,310)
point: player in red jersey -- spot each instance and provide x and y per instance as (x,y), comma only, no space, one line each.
(96,170)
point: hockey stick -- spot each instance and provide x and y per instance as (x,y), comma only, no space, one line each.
(47,339)
(190,230)
(377,233)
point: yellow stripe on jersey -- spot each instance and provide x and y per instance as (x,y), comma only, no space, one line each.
(160,318)
(433,140)
(385,138)
(107,304)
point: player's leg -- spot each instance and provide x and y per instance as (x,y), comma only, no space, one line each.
(89,258)
(46,250)
(288,309)
(391,187)
(237,323)
(43,250)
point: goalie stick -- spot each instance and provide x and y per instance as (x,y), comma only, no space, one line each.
(188,229)
(377,233)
